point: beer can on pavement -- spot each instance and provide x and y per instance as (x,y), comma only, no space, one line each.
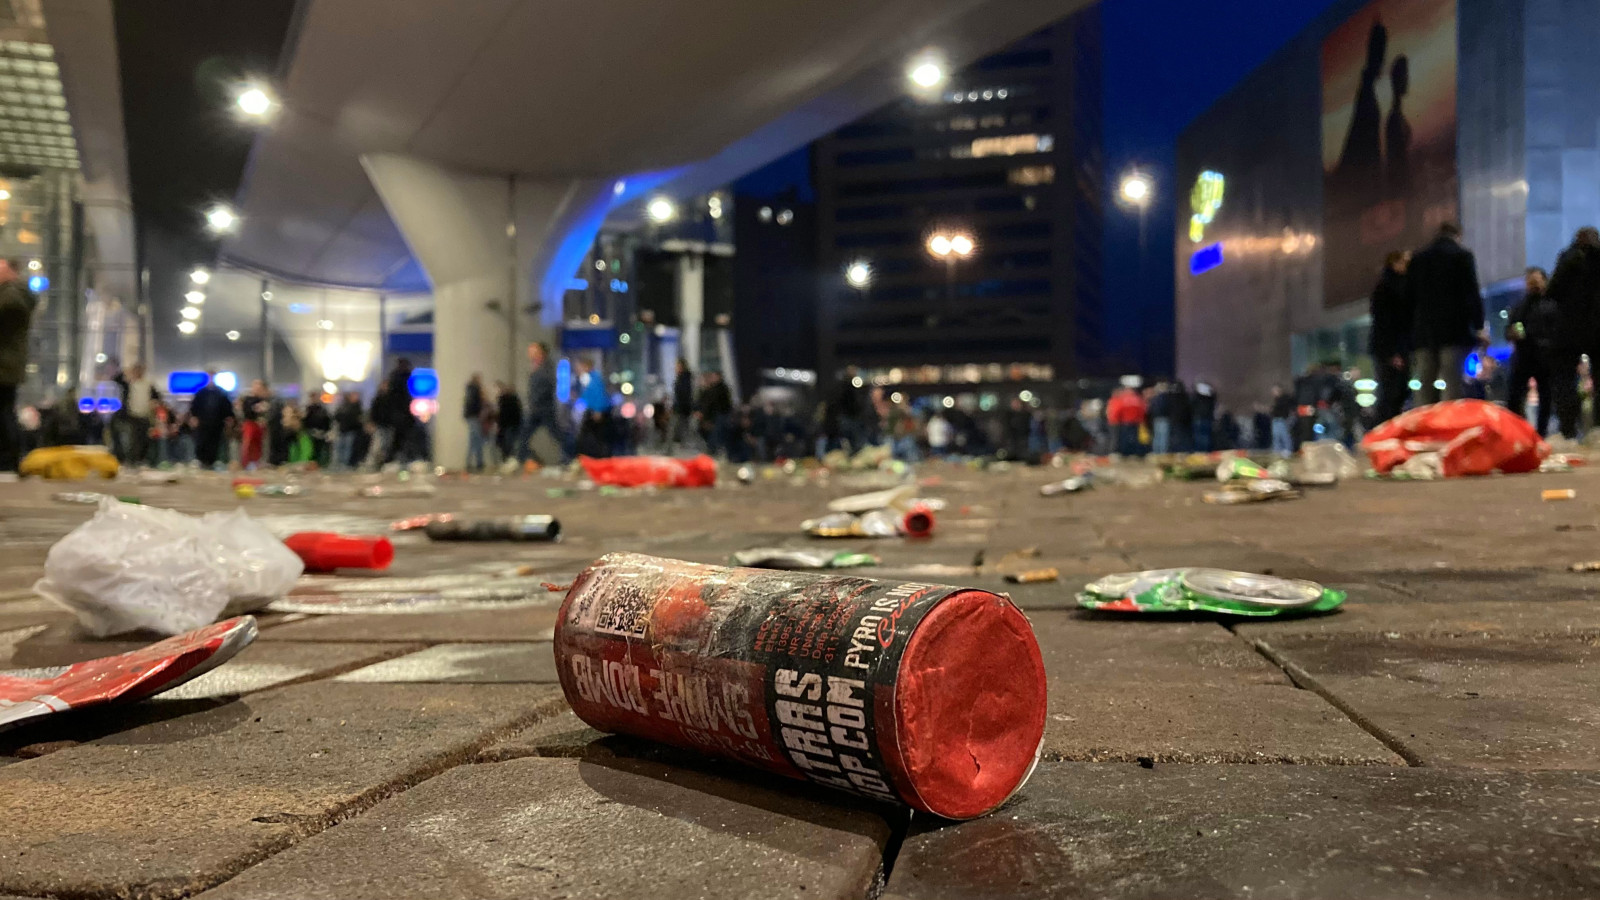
(926,695)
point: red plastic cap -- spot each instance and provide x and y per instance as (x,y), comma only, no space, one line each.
(970,705)
(324,551)
(918,521)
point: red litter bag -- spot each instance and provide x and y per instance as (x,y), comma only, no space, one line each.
(1472,437)
(919,694)
(661,471)
(27,694)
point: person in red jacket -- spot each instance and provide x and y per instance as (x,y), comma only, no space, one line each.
(1125,413)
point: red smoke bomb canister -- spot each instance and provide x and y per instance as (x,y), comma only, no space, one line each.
(919,694)
(918,521)
(324,551)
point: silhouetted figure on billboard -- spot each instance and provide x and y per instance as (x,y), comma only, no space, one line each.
(1361,162)
(1397,132)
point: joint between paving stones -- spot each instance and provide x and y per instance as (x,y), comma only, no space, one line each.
(1304,680)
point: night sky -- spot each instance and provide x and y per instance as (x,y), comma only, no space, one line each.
(1166,62)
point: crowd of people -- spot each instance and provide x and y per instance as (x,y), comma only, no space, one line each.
(1428,316)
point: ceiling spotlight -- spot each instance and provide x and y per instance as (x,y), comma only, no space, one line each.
(926,74)
(186,326)
(325,324)
(199,276)
(195,297)
(35,265)
(221,218)
(254,102)
(190,312)
(233,335)
(5,195)
(661,210)
(599,265)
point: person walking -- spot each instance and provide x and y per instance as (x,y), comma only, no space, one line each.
(508,415)
(1389,340)
(542,410)
(1575,288)
(1125,413)
(16,316)
(318,424)
(682,403)
(472,406)
(713,409)
(350,423)
(1282,412)
(211,411)
(255,408)
(1159,411)
(403,444)
(1205,416)
(1442,290)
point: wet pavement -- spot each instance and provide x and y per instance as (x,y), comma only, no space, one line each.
(1438,737)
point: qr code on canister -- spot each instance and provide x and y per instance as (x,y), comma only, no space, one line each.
(625,612)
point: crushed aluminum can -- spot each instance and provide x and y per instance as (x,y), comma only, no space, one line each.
(1255,491)
(1207,590)
(793,559)
(1068,486)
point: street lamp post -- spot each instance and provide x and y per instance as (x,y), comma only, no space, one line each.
(951,247)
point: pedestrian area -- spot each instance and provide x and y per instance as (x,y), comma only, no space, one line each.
(1439,736)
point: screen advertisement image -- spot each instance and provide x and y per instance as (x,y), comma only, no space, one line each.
(1388,138)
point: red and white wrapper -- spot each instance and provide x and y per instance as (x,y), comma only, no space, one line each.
(920,694)
(27,694)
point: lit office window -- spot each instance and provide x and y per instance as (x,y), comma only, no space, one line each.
(1027,175)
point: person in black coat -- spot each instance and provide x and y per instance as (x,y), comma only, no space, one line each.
(682,403)
(1575,289)
(1447,313)
(1390,338)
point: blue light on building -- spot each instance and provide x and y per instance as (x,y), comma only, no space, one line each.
(186,382)
(1205,259)
(423,383)
(618,286)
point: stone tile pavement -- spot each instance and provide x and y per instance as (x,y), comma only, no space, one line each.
(1439,737)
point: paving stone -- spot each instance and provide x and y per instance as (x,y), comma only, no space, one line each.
(1081,648)
(562,735)
(1463,701)
(526,663)
(34,611)
(1301,832)
(1549,618)
(1109,719)
(526,623)
(576,829)
(172,807)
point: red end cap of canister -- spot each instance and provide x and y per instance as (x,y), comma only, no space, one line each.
(970,705)
(324,551)
(918,521)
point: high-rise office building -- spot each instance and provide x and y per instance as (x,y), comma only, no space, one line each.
(959,233)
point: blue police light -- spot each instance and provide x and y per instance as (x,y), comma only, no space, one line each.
(1474,364)
(618,286)
(38,284)
(108,404)
(1205,259)
(423,383)
(86,405)
(563,379)
(186,382)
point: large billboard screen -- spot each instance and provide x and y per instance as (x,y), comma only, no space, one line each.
(1388,137)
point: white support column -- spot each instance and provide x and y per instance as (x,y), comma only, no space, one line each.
(691,305)
(491,245)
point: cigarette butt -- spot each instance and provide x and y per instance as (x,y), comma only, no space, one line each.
(524,571)
(1033,576)
(1591,566)
(1560,494)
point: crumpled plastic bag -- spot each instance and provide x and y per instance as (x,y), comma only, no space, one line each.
(139,567)
(661,471)
(1472,437)
(1321,459)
